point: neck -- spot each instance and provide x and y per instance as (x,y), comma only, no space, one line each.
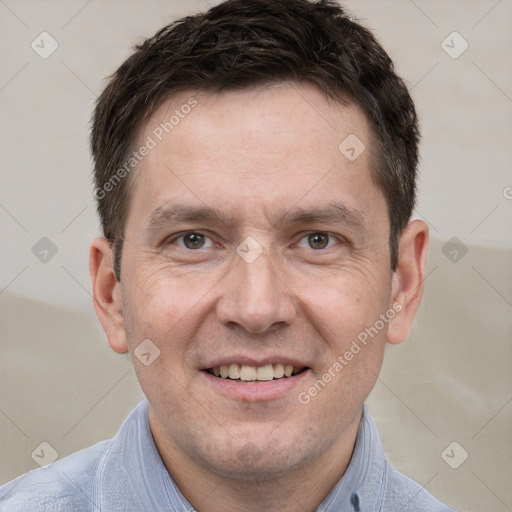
(298,490)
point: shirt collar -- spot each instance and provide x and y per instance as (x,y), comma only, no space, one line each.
(132,476)
(365,476)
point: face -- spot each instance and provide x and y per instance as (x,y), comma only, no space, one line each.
(254,246)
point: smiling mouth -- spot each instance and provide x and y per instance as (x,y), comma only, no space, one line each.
(245,373)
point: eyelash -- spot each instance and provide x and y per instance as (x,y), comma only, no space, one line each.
(181,236)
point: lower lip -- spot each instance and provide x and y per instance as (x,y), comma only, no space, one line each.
(255,391)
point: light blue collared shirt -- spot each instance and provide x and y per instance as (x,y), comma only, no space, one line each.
(126,474)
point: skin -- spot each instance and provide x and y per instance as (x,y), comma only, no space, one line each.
(255,157)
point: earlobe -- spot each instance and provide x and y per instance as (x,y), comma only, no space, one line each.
(408,280)
(106,292)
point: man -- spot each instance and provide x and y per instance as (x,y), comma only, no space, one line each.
(255,176)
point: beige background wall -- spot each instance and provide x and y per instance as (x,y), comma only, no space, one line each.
(451,381)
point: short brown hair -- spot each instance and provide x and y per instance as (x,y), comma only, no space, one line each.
(245,43)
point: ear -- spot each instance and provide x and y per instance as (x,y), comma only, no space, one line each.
(408,279)
(106,291)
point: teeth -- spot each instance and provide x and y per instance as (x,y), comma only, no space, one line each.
(247,372)
(234,371)
(251,373)
(278,371)
(265,372)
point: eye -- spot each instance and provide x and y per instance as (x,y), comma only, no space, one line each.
(317,241)
(193,240)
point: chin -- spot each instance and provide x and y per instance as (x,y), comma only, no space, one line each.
(260,459)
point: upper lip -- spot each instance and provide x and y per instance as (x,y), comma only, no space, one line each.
(250,361)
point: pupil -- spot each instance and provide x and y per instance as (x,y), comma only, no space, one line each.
(318,240)
(194,241)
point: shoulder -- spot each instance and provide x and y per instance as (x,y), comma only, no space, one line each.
(82,482)
(384,487)
(65,485)
(411,496)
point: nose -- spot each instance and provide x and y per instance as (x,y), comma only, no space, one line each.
(256,296)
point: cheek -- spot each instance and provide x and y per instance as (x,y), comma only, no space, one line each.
(353,352)
(166,314)
(162,300)
(167,307)
(343,306)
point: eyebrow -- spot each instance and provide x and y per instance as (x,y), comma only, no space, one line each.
(165,215)
(332,214)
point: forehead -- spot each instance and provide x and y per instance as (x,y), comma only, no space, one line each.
(257,149)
